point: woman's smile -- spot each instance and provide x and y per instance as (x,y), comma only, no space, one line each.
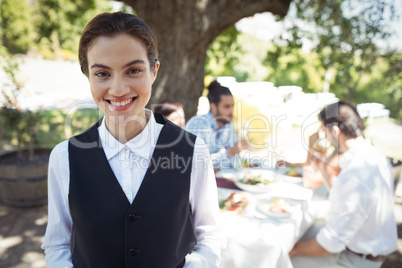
(121,104)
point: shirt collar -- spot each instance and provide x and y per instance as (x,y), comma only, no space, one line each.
(142,145)
(212,121)
(348,156)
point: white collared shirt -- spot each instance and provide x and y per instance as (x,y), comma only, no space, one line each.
(129,163)
(362,206)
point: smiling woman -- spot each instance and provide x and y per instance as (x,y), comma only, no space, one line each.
(119,193)
(121,77)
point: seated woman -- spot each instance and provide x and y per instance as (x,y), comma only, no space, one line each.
(172,110)
(317,154)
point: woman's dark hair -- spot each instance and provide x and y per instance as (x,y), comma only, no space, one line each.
(216,90)
(167,107)
(345,116)
(113,24)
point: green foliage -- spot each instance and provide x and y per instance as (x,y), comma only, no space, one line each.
(46,24)
(21,124)
(301,68)
(16,29)
(384,83)
(223,56)
(345,51)
(10,86)
(57,125)
(60,22)
(33,129)
(44,128)
(21,127)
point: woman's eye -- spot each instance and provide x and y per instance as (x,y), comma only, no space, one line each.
(101,74)
(134,71)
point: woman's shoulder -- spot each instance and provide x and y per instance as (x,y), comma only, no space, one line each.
(59,155)
(60,148)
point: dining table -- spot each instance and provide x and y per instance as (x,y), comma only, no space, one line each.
(257,237)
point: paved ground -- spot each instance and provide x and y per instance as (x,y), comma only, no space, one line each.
(21,234)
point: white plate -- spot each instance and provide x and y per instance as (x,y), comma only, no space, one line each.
(264,205)
(231,173)
(236,175)
(257,188)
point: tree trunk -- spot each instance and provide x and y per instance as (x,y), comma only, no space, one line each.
(184,29)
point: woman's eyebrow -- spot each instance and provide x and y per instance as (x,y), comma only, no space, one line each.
(134,62)
(98,65)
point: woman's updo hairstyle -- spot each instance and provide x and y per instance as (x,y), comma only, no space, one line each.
(216,90)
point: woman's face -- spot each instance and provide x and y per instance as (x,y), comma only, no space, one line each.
(120,77)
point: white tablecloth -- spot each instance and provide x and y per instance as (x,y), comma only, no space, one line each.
(255,240)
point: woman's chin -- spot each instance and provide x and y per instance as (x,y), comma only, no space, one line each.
(126,119)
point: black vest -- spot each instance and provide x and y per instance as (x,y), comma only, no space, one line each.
(156,230)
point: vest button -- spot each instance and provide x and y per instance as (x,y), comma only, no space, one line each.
(132,217)
(132,252)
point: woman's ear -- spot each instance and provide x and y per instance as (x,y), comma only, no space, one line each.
(155,70)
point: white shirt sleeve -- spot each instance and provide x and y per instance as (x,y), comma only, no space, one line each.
(350,204)
(205,208)
(58,231)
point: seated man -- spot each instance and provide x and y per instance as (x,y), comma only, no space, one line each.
(361,228)
(216,127)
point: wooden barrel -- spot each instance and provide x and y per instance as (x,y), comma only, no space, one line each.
(23,184)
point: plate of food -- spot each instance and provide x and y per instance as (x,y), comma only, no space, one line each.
(294,172)
(278,207)
(235,203)
(291,174)
(256,182)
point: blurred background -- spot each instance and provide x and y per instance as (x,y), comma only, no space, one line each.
(279,58)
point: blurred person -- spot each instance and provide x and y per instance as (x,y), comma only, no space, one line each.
(172,110)
(114,200)
(361,229)
(312,177)
(216,127)
(313,147)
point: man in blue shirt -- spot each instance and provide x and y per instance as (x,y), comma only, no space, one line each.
(216,127)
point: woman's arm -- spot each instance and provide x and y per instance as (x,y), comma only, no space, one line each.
(205,207)
(58,231)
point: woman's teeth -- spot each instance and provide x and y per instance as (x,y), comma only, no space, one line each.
(116,103)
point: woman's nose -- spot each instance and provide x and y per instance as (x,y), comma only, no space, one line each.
(118,87)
